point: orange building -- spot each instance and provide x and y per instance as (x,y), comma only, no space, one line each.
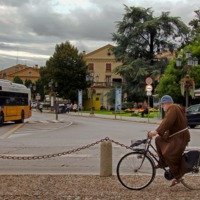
(23,71)
(102,62)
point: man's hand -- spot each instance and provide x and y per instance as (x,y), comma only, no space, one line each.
(152,133)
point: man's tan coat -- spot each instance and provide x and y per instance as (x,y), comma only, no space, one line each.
(171,148)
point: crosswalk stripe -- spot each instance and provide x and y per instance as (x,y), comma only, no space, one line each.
(45,122)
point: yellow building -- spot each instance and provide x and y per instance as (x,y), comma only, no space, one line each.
(22,71)
(102,62)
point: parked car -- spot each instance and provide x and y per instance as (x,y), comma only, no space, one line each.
(33,104)
(193,115)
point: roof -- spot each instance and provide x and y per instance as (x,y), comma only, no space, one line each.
(100,49)
(27,68)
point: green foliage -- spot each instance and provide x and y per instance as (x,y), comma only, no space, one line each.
(46,105)
(39,88)
(195,24)
(28,82)
(66,67)
(170,83)
(17,79)
(139,37)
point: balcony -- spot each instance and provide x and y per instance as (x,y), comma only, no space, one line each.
(106,84)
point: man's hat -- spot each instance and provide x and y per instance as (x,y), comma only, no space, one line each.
(166,99)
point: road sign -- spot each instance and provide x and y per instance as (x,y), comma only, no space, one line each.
(149,93)
(38,97)
(149,81)
(149,88)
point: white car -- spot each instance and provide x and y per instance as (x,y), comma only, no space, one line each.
(33,104)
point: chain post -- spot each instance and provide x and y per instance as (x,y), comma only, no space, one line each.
(63,153)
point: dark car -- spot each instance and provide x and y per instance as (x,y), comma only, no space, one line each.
(193,115)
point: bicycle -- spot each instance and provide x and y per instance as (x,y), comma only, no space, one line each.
(136,170)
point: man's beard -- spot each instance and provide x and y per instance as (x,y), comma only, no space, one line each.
(165,107)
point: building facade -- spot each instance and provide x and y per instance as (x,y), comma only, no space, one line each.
(102,62)
(22,71)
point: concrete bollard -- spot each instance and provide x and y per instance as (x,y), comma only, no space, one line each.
(106,159)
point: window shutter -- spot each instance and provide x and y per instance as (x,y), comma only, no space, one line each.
(91,67)
(108,67)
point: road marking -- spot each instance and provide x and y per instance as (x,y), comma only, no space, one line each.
(45,122)
(26,132)
(11,131)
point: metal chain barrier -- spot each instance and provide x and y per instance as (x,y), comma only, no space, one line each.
(64,153)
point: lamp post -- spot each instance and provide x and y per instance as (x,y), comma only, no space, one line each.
(190,61)
(90,78)
(50,84)
(33,90)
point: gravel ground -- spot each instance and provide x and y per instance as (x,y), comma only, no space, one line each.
(77,187)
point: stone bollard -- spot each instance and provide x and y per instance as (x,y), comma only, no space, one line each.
(106,159)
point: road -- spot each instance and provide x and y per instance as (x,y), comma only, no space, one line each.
(42,136)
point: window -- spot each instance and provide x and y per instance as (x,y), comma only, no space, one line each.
(108,67)
(194,109)
(16,69)
(12,99)
(91,67)
(117,80)
(108,79)
(29,72)
(4,75)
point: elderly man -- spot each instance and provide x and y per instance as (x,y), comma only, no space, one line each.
(172,140)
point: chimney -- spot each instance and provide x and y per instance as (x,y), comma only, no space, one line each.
(36,66)
(84,52)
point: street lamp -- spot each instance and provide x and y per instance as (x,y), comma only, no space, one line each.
(90,78)
(50,84)
(33,90)
(190,61)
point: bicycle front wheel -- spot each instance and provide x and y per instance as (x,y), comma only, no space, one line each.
(192,179)
(135,171)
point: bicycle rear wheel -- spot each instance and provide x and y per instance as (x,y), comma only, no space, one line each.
(192,179)
(135,171)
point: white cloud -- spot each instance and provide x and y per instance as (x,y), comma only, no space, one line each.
(36,26)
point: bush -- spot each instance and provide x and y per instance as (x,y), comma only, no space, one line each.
(46,105)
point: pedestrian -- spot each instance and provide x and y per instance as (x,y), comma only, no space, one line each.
(75,107)
(71,107)
(40,107)
(68,107)
(145,112)
(173,137)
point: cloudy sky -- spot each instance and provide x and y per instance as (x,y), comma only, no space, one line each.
(30,29)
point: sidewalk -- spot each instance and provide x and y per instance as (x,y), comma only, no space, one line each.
(133,119)
(90,187)
(118,117)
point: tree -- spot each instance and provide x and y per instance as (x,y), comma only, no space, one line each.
(68,68)
(195,24)
(39,88)
(28,82)
(17,79)
(139,37)
(170,83)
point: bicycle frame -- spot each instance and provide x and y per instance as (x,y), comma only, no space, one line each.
(147,151)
